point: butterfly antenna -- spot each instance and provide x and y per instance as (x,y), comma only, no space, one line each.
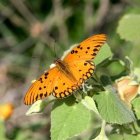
(54,49)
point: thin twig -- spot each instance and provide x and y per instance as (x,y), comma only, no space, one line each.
(24,11)
(102,13)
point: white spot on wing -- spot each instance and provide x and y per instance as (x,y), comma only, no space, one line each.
(52,65)
(33,81)
(67,51)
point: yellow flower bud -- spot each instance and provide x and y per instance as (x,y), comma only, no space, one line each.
(6,110)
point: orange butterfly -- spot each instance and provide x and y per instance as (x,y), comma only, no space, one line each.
(69,73)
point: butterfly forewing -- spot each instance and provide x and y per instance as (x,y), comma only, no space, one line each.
(87,49)
(42,87)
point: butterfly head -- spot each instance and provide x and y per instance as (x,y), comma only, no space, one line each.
(59,63)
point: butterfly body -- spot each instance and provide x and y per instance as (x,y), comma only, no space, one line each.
(64,68)
(69,73)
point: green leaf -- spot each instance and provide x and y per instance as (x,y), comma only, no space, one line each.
(131,137)
(68,119)
(37,107)
(116,64)
(124,137)
(115,137)
(129,28)
(103,54)
(90,104)
(102,135)
(137,73)
(112,109)
(136,106)
(129,64)
(23,136)
(2,131)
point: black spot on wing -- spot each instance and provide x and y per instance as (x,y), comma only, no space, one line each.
(95,50)
(41,95)
(78,46)
(46,94)
(98,46)
(46,74)
(85,64)
(72,52)
(94,54)
(36,98)
(40,79)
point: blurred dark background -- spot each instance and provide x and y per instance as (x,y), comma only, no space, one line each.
(31,31)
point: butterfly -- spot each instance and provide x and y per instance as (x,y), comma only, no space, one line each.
(68,73)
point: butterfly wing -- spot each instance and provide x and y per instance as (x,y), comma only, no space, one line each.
(82,70)
(87,49)
(42,87)
(79,63)
(64,86)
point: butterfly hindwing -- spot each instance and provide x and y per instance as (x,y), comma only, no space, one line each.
(82,70)
(64,86)
(42,87)
(87,49)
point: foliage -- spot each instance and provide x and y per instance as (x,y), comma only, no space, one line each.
(28,32)
(125,27)
(64,116)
